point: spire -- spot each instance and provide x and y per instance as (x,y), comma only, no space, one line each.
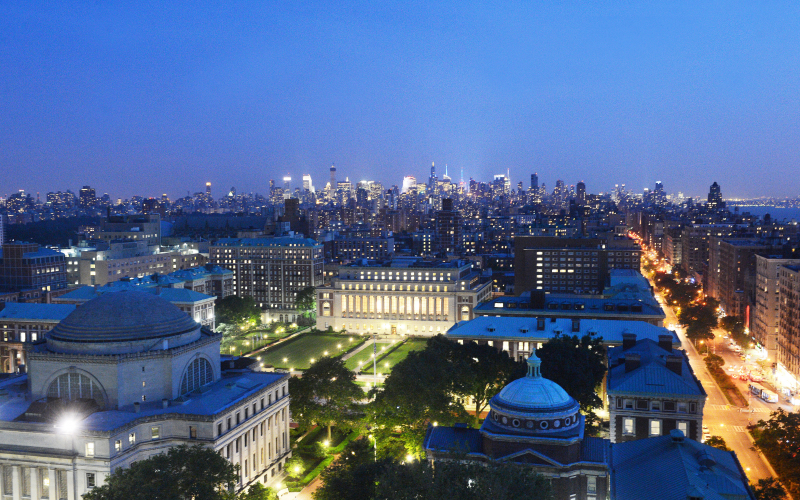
(534,364)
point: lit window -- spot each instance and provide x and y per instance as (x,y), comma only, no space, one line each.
(628,426)
(655,427)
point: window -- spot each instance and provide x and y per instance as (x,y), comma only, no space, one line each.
(72,386)
(132,438)
(219,429)
(681,407)
(192,432)
(683,426)
(90,480)
(629,404)
(655,405)
(655,427)
(198,374)
(628,426)
(90,449)
(118,445)
(591,485)
(155,432)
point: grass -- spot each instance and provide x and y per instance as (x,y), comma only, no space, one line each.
(387,362)
(726,384)
(243,343)
(298,352)
(365,357)
(314,462)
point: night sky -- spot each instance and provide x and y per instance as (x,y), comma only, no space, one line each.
(160,97)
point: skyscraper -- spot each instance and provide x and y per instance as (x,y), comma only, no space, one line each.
(535,182)
(580,193)
(88,197)
(715,198)
(287,187)
(307,185)
(333,178)
(432,180)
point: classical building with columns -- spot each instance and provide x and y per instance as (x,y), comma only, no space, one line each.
(126,376)
(401,296)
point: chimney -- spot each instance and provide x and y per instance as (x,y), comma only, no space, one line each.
(165,403)
(632,361)
(628,340)
(665,342)
(540,324)
(675,364)
(136,407)
(576,325)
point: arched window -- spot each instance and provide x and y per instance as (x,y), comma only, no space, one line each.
(73,386)
(198,374)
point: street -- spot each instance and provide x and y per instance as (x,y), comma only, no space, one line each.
(728,422)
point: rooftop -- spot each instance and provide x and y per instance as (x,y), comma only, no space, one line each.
(36,312)
(267,242)
(526,329)
(652,376)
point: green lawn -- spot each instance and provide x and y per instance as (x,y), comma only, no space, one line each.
(386,363)
(365,356)
(298,352)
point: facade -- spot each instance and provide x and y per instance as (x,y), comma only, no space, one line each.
(765,322)
(27,266)
(652,390)
(575,265)
(520,336)
(448,229)
(209,279)
(788,369)
(23,324)
(271,270)
(407,297)
(133,388)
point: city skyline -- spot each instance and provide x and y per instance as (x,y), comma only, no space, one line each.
(159,99)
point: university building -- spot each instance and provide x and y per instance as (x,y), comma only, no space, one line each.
(124,377)
(271,270)
(401,296)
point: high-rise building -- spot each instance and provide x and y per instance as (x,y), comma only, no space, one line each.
(448,229)
(287,187)
(409,182)
(765,321)
(575,265)
(715,198)
(307,185)
(2,229)
(580,193)
(333,178)
(535,182)
(87,197)
(271,270)
(432,179)
(788,370)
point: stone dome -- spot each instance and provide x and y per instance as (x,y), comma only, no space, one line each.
(534,404)
(123,321)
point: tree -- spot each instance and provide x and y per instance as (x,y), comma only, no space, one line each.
(419,390)
(700,319)
(769,489)
(779,439)
(258,492)
(357,475)
(479,371)
(718,442)
(183,473)
(325,394)
(306,302)
(237,310)
(577,365)
(735,327)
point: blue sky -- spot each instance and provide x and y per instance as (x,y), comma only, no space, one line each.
(152,97)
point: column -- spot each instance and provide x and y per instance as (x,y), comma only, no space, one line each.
(15,482)
(35,483)
(51,476)
(71,484)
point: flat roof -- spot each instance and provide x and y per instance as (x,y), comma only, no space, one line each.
(525,329)
(36,312)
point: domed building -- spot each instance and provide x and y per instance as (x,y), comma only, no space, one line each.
(534,422)
(126,376)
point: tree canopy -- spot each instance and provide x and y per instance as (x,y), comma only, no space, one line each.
(577,365)
(357,475)
(306,302)
(237,310)
(769,489)
(325,394)
(779,439)
(183,473)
